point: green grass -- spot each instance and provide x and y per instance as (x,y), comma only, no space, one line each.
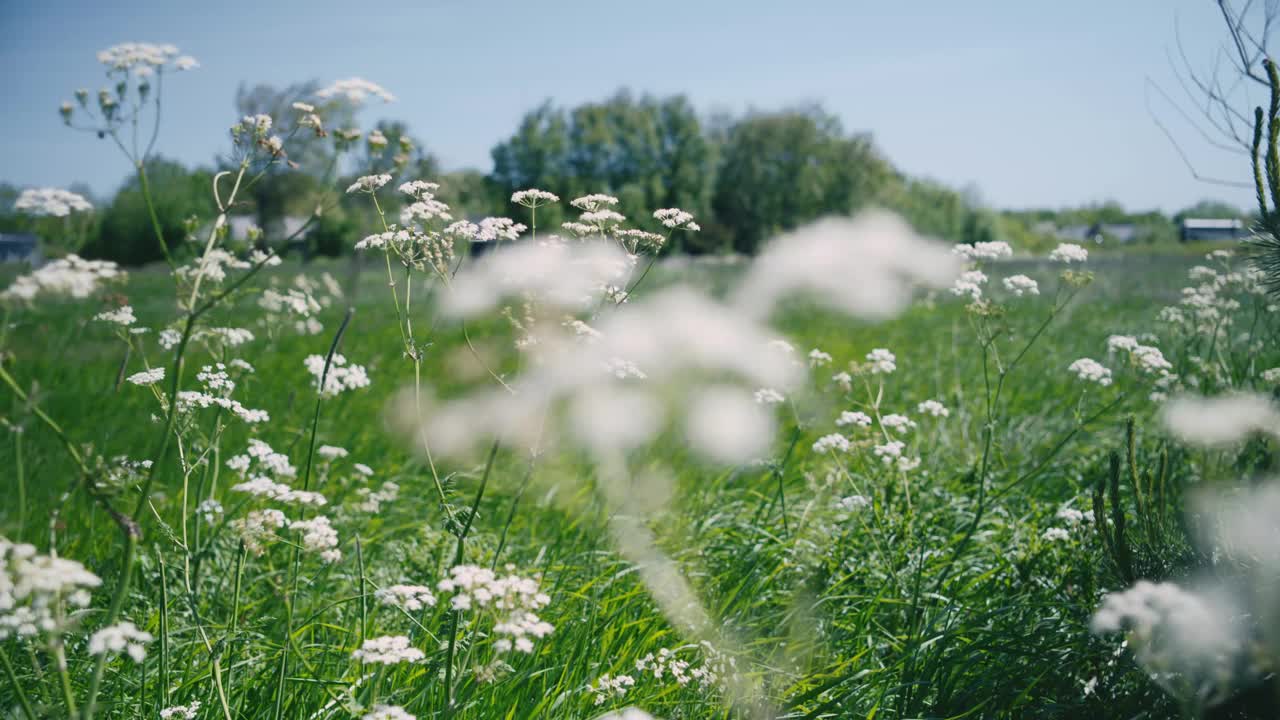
(903,610)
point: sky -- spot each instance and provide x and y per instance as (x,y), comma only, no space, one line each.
(1032,103)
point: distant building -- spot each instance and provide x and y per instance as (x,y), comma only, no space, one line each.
(1211,229)
(1098,232)
(20,247)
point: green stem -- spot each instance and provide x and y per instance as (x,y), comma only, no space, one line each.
(17,686)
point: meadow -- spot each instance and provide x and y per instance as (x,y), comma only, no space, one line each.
(484,470)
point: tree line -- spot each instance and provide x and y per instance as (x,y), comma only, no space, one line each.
(744,177)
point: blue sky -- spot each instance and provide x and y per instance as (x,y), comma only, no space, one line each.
(1031,102)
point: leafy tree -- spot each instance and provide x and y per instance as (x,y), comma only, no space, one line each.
(125,232)
(778,170)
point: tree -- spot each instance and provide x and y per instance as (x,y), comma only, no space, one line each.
(778,170)
(651,153)
(125,233)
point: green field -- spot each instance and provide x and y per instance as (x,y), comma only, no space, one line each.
(903,608)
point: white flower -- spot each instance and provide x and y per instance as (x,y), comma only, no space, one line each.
(51,201)
(181,712)
(369,183)
(1055,534)
(121,637)
(1126,343)
(934,408)
(342,376)
(591,203)
(1222,420)
(853,417)
(33,585)
(388,650)
(882,361)
(844,380)
(388,712)
(676,218)
(1091,371)
(818,358)
(1069,253)
(890,451)
(71,276)
(147,377)
(1021,285)
(852,502)
(970,283)
(355,90)
(331,452)
(533,197)
(498,228)
(318,536)
(1272,375)
(984,250)
(409,597)
(828,443)
(900,423)
(363,469)
(768,396)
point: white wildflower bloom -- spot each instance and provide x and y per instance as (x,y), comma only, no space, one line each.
(818,358)
(123,637)
(318,536)
(210,510)
(1271,376)
(844,380)
(851,503)
(602,217)
(595,202)
(969,284)
(833,442)
(33,586)
(1073,516)
(355,91)
(54,202)
(388,712)
(462,230)
(868,266)
(71,276)
(890,451)
(1121,343)
(853,417)
(331,452)
(1222,420)
(408,597)
(881,361)
(1056,534)
(609,687)
(933,408)
(498,228)
(368,183)
(388,650)
(147,377)
(984,250)
(676,218)
(363,469)
(1150,360)
(264,487)
(1091,371)
(533,197)
(181,712)
(907,464)
(258,528)
(341,377)
(371,500)
(726,426)
(1172,631)
(137,57)
(304,108)
(1021,285)
(768,396)
(624,369)
(898,423)
(1069,253)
